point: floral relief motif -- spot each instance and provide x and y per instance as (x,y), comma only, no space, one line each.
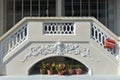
(59,49)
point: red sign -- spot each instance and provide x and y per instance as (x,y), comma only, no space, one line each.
(109,43)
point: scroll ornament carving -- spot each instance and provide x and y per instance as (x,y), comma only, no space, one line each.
(59,49)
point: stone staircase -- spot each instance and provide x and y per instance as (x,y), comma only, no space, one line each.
(80,38)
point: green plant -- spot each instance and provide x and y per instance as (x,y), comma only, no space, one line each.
(78,69)
(77,66)
(70,69)
(60,67)
(50,66)
(43,66)
(69,66)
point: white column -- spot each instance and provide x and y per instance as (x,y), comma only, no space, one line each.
(1,17)
(59,8)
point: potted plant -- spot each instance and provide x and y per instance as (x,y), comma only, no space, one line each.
(42,68)
(60,68)
(78,69)
(49,68)
(70,69)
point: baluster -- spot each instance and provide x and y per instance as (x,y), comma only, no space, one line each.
(12,42)
(94,33)
(97,35)
(9,45)
(62,28)
(59,29)
(55,29)
(47,28)
(101,39)
(70,29)
(24,33)
(20,36)
(16,40)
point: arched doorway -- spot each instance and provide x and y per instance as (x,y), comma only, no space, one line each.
(35,69)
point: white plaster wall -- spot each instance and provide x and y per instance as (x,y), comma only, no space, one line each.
(82,28)
(100,63)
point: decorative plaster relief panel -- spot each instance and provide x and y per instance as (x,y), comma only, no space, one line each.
(60,49)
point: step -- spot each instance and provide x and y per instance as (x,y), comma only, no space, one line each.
(64,77)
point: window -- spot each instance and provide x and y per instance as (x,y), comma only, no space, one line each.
(94,8)
(101,9)
(18,9)
(9,13)
(35,7)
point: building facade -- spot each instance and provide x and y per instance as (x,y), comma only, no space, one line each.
(105,11)
(59,30)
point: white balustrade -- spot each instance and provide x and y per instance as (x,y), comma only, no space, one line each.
(58,28)
(18,36)
(8,44)
(99,36)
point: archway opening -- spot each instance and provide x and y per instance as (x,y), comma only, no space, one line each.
(35,69)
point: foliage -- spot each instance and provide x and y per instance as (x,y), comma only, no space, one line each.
(78,66)
(43,66)
(50,66)
(69,66)
(60,67)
